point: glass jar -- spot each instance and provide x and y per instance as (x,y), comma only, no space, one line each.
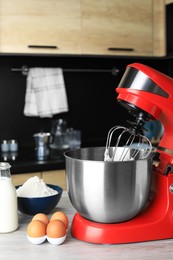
(8,200)
(13,145)
(5,146)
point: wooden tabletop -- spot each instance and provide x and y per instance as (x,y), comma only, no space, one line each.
(16,246)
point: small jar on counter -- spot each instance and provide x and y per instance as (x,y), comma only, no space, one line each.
(13,145)
(5,147)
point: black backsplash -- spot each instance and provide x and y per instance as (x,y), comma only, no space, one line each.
(91,95)
(169,24)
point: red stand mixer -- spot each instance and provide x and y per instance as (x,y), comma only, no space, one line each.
(147,94)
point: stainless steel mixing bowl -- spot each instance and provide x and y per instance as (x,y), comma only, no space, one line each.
(106,192)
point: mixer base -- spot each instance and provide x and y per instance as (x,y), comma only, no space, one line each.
(155,222)
(98,233)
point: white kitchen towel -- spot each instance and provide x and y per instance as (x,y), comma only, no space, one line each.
(45,92)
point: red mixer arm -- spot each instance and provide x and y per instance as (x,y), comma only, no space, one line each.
(165,82)
(158,106)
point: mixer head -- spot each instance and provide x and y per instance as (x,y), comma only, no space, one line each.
(145,90)
(148,94)
(134,86)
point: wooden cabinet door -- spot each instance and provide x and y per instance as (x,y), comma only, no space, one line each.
(117,27)
(113,27)
(40,26)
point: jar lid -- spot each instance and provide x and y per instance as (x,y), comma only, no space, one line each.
(4,141)
(13,141)
(4,165)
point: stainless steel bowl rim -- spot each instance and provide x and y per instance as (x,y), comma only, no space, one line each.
(71,152)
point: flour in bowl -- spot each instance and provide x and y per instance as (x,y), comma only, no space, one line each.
(35,187)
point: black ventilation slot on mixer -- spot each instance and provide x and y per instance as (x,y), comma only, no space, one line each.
(168,170)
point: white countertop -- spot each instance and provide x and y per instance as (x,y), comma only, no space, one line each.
(16,246)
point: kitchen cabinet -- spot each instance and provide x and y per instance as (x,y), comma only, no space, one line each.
(102,27)
(168,2)
(123,27)
(56,177)
(49,26)
(19,179)
(159,28)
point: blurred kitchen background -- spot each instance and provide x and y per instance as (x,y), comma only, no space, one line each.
(91,96)
(93,42)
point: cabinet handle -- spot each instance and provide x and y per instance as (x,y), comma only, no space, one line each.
(120,49)
(43,46)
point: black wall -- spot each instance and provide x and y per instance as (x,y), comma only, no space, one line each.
(91,95)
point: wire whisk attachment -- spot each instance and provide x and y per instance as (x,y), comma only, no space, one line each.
(137,146)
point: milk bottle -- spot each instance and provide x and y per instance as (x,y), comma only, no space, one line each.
(8,200)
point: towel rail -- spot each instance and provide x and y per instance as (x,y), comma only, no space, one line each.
(115,71)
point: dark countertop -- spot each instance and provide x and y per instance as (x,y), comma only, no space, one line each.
(25,161)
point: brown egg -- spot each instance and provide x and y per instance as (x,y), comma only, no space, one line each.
(61,216)
(56,229)
(36,228)
(41,216)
